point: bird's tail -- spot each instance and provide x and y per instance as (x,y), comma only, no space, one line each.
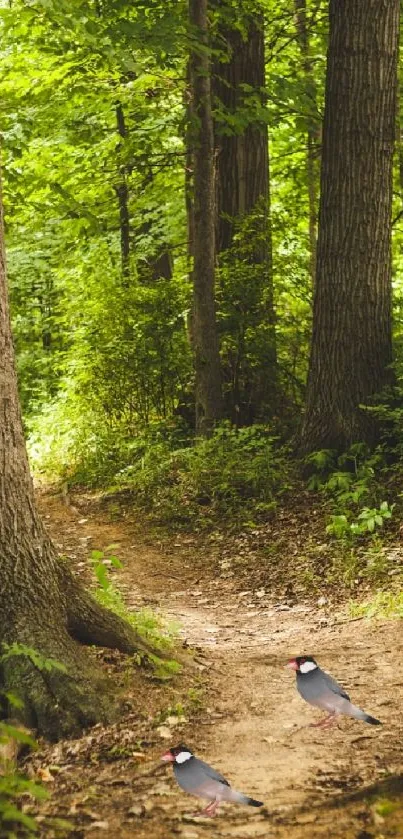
(240,798)
(358,714)
(371,720)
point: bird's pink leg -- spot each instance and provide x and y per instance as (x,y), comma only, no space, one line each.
(211,809)
(325,723)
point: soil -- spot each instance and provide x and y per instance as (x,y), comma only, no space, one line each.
(239,709)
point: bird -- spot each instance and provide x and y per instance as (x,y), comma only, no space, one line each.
(322,691)
(198,778)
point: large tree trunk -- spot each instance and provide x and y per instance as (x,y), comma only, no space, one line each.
(351,343)
(42,606)
(242,188)
(200,136)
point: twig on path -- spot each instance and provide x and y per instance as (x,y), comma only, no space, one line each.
(349,620)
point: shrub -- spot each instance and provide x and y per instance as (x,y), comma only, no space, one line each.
(225,476)
(350,483)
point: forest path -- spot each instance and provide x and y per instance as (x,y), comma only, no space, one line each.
(252,724)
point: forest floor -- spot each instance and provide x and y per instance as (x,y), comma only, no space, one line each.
(239,710)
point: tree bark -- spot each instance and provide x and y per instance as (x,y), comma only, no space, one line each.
(312,132)
(208,395)
(351,343)
(42,605)
(242,151)
(243,188)
(122,192)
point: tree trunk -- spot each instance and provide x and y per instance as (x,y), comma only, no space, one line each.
(42,605)
(242,151)
(204,328)
(312,132)
(242,188)
(351,344)
(122,192)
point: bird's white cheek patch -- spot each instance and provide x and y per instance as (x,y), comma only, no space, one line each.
(182,757)
(307,666)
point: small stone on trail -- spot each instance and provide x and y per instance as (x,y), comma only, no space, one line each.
(137,810)
(164,732)
(98,826)
(306,818)
(172,721)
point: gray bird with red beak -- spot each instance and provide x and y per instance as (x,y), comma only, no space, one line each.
(198,778)
(322,691)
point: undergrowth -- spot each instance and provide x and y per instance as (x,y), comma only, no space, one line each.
(152,627)
(224,477)
(16,790)
(176,480)
(14,786)
(350,484)
(235,480)
(384,604)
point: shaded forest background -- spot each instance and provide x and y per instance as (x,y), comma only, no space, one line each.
(102,150)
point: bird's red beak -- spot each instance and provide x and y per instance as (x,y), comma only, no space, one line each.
(292,664)
(168,757)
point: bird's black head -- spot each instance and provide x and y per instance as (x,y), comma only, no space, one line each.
(178,754)
(302,664)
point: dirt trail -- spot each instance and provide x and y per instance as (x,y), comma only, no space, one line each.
(252,725)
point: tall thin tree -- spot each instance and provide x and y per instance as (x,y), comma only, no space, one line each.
(351,342)
(122,192)
(200,136)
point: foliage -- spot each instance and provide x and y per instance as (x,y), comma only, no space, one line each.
(14,786)
(350,489)
(147,623)
(86,326)
(95,339)
(367,521)
(37,659)
(246,332)
(13,821)
(222,477)
(103,348)
(100,561)
(384,604)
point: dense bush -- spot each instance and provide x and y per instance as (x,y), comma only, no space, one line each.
(225,476)
(171,476)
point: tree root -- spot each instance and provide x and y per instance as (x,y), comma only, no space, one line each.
(62,698)
(91,623)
